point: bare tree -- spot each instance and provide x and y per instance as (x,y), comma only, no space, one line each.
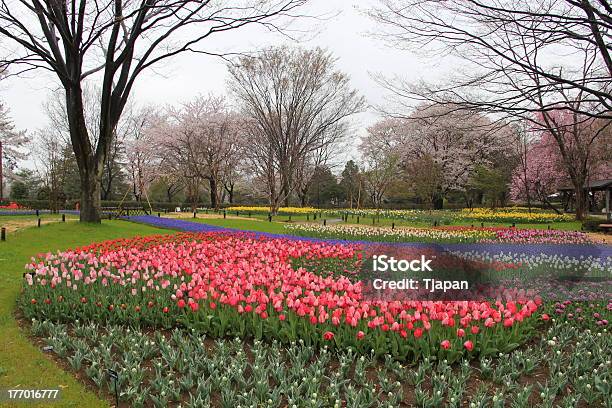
(298,103)
(515,52)
(525,61)
(113,168)
(380,174)
(522,144)
(305,171)
(12,143)
(52,165)
(115,41)
(142,156)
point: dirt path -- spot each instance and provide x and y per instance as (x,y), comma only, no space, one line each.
(599,237)
(15,225)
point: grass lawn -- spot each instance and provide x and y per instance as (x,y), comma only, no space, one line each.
(21,363)
(244,224)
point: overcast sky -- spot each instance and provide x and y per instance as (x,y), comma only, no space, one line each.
(344,35)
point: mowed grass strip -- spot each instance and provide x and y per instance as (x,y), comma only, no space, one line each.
(23,365)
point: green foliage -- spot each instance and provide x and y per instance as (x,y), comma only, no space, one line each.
(25,186)
(324,189)
(489,183)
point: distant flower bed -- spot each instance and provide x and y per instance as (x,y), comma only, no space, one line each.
(385,234)
(512,215)
(440,234)
(281,210)
(12,206)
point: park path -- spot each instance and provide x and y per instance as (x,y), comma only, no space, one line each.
(576,251)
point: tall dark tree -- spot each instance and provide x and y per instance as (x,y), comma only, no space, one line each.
(351,183)
(114,42)
(324,190)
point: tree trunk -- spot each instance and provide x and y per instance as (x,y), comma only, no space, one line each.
(90,198)
(580,202)
(90,166)
(230,195)
(438,202)
(229,188)
(214,202)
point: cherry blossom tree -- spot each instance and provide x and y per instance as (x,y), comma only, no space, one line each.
(541,173)
(142,155)
(572,149)
(203,139)
(450,142)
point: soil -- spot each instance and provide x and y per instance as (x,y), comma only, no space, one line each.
(16,224)
(600,237)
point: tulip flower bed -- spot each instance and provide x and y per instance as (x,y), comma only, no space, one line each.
(236,285)
(447,234)
(568,365)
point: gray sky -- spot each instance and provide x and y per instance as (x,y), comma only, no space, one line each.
(191,74)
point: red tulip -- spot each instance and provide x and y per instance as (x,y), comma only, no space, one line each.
(165,309)
(445,344)
(360,335)
(545,317)
(418,333)
(460,332)
(475,329)
(328,335)
(469,346)
(181,303)
(282,317)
